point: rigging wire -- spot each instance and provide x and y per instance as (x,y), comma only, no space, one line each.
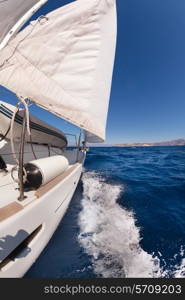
(33,24)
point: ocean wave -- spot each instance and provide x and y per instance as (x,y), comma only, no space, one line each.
(109,235)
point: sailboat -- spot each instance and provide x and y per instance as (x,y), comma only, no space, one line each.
(62,62)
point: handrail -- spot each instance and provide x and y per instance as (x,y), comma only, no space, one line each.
(74,135)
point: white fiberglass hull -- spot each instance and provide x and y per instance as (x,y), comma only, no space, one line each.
(36,222)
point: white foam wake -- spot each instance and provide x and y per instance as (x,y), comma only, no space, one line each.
(108,234)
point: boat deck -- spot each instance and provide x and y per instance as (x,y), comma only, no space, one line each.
(9,203)
(9,206)
(10,190)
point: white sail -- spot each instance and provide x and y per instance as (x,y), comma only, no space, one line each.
(64,63)
(13,15)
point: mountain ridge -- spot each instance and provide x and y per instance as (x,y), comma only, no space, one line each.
(177,142)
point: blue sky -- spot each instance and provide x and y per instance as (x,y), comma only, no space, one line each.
(148,91)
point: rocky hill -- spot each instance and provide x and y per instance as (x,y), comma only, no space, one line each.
(178,142)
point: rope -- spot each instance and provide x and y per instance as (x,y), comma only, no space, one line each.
(2,137)
(22,100)
(12,126)
(11,135)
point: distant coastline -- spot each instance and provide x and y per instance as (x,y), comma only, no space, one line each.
(178,142)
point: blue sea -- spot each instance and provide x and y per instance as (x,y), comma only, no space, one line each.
(126,219)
